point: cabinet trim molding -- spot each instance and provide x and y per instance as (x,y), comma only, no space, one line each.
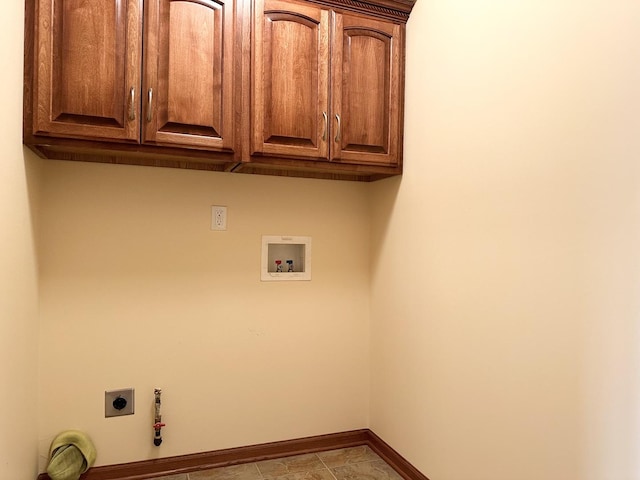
(391,9)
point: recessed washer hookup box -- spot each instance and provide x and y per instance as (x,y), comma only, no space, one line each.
(285,258)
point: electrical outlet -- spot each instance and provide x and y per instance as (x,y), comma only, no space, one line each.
(119,402)
(218,217)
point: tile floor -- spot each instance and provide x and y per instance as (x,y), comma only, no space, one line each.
(356,463)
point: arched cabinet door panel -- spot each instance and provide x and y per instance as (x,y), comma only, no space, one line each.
(188,95)
(366,90)
(87,69)
(290,74)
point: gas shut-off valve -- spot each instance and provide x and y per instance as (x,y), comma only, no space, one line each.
(157,426)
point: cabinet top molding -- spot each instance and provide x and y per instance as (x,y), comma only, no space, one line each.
(390,9)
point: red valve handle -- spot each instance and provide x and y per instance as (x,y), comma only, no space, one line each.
(158,426)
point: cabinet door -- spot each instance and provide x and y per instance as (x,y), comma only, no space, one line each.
(87,68)
(188,81)
(289,80)
(366,90)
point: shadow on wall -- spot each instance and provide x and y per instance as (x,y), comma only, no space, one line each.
(384,194)
(33,180)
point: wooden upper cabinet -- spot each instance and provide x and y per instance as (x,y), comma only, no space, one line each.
(366,90)
(290,97)
(87,68)
(188,73)
(310,88)
(305,55)
(93,82)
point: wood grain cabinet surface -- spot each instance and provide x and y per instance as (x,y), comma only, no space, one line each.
(188,73)
(86,54)
(284,87)
(326,85)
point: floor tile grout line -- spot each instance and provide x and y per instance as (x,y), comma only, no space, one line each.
(357,462)
(259,471)
(260,474)
(325,466)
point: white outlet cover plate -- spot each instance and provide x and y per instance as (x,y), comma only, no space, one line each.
(218,217)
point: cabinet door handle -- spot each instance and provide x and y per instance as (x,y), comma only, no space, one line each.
(132,103)
(339,128)
(150,105)
(326,121)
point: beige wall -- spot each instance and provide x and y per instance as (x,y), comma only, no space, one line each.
(18,270)
(506,266)
(137,291)
(504,271)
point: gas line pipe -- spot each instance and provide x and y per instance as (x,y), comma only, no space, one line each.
(157,426)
